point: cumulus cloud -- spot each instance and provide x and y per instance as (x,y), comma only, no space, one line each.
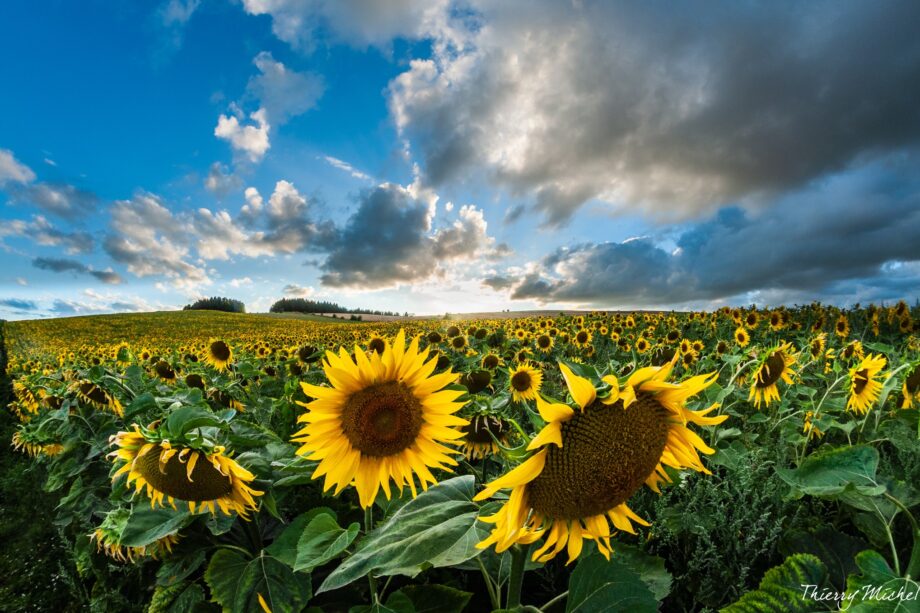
(78,268)
(220,181)
(151,241)
(389,240)
(852,235)
(297,291)
(671,111)
(282,227)
(360,23)
(12,170)
(43,232)
(282,92)
(251,139)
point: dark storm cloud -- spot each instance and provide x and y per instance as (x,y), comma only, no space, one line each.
(65,265)
(857,233)
(676,110)
(389,240)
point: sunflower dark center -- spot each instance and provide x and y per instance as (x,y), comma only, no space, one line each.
(164,370)
(607,453)
(94,393)
(172,479)
(220,350)
(306,352)
(194,380)
(382,419)
(377,344)
(860,380)
(913,381)
(772,370)
(521,381)
(477,381)
(490,361)
(480,426)
(544,341)
(582,337)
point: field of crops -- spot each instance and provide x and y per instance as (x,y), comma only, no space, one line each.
(200,461)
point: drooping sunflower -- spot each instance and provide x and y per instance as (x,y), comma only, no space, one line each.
(386,416)
(775,365)
(95,396)
(864,383)
(525,381)
(591,459)
(481,433)
(219,354)
(205,479)
(809,429)
(910,390)
(34,446)
(108,536)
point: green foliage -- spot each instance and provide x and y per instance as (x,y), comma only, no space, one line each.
(216,303)
(783,588)
(599,585)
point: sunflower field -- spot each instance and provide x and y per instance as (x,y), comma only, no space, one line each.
(738,460)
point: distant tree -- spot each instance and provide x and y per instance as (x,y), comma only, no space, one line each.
(216,303)
(302,305)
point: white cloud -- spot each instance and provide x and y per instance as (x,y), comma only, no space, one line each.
(297,291)
(341,165)
(240,282)
(220,181)
(251,140)
(21,281)
(178,12)
(282,92)
(13,171)
(43,232)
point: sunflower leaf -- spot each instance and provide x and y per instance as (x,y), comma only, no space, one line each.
(599,585)
(146,525)
(183,419)
(323,540)
(434,529)
(236,583)
(832,471)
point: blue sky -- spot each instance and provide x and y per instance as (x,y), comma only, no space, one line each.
(433,156)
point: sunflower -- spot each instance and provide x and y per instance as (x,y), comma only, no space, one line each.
(582,338)
(752,319)
(377,343)
(809,429)
(491,361)
(842,326)
(590,460)
(544,343)
(219,354)
(817,345)
(775,365)
(742,337)
(481,433)
(95,396)
(910,391)
(864,386)
(165,372)
(458,343)
(208,480)
(108,536)
(383,418)
(642,345)
(27,444)
(525,382)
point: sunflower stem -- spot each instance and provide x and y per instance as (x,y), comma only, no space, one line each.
(518,559)
(555,600)
(368,526)
(490,585)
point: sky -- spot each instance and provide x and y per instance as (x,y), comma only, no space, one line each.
(432,156)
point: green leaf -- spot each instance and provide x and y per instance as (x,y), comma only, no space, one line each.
(878,589)
(142,403)
(284,546)
(323,540)
(184,419)
(434,598)
(835,549)
(236,583)
(649,568)
(832,471)
(423,532)
(178,567)
(146,525)
(599,585)
(783,587)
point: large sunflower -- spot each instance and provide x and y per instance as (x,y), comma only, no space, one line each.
(864,384)
(775,366)
(383,418)
(589,461)
(205,480)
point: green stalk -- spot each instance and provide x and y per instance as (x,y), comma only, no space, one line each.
(518,559)
(368,526)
